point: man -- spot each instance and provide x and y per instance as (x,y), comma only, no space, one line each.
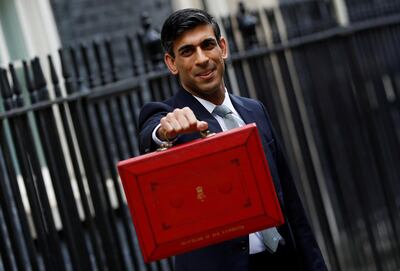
(195,52)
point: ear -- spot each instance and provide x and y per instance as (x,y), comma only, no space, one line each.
(223,44)
(170,62)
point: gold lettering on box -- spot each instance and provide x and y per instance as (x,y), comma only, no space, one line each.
(211,235)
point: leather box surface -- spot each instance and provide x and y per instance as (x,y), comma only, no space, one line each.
(200,193)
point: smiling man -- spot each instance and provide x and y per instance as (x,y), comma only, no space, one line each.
(195,52)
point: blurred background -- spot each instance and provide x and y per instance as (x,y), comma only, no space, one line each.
(75,73)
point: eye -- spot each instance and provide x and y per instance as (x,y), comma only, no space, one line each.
(186,51)
(209,44)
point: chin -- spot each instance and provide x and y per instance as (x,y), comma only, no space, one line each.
(204,90)
(210,88)
(211,95)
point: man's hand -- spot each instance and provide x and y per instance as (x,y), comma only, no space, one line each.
(179,121)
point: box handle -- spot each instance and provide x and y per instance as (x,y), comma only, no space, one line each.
(168,144)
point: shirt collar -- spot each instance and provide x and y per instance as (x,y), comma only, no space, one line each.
(210,106)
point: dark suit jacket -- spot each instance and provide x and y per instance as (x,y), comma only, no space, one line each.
(232,255)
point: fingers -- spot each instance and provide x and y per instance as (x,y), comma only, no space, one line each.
(202,125)
(179,121)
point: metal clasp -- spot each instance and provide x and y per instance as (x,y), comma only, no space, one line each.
(165,146)
(206,133)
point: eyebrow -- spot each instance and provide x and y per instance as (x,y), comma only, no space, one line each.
(190,46)
(209,39)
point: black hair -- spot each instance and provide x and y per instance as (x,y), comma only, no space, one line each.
(182,20)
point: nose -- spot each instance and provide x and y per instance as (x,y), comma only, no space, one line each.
(201,57)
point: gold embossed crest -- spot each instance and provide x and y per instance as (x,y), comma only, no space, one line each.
(200,193)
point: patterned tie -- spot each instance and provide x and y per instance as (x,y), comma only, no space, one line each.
(271,236)
(230,120)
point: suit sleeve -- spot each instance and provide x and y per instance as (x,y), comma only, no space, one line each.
(306,244)
(149,118)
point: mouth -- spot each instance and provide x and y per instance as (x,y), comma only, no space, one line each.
(205,74)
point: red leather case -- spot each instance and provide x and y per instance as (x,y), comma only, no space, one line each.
(200,193)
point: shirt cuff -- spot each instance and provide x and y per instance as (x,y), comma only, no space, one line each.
(158,141)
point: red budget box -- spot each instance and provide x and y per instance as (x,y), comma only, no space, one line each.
(200,193)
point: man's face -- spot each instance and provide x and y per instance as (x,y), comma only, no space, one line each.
(199,62)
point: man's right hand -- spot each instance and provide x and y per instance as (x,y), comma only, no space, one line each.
(179,121)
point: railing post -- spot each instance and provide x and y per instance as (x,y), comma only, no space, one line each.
(99,62)
(48,241)
(56,163)
(247,23)
(86,64)
(11,204)
(87,130)
(110,58)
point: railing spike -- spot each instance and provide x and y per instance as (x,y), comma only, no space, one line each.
(66,73)
(97,55)
(86,63)
(16,86)
(110,58)
(39,79)
(28,79)
(38,76)
(5,90)
(131,52)
(54,77)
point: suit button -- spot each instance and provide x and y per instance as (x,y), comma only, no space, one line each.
(244,248)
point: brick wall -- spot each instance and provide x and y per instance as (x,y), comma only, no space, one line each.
(81,21)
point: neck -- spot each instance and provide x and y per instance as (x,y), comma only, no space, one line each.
(216,97)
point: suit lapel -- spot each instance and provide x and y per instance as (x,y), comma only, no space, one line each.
(244,112)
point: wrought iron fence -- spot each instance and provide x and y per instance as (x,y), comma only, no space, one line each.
(333,94)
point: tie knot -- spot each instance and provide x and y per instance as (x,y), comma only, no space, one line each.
(222,110)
